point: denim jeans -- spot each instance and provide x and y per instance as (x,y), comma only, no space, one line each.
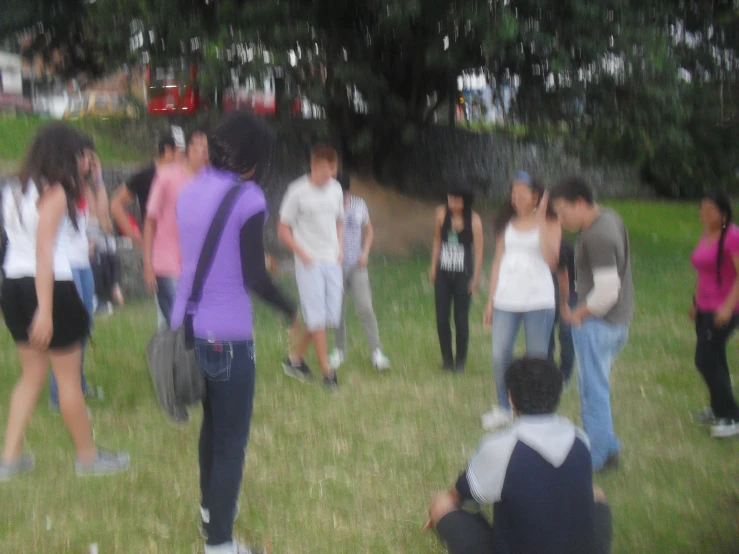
(596,345)
(230,372)
(537,327)
(166,291)
(85,283)
(566,348)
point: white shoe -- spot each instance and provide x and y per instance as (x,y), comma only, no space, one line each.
(725,428)
(336,359)
(496,418)
(380,361)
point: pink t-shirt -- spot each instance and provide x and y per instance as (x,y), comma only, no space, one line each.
(162,208)
(710,294)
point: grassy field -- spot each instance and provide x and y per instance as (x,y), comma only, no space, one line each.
(353,473)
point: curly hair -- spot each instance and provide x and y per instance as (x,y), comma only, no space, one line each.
(535,386)
(52,159)
(241,142)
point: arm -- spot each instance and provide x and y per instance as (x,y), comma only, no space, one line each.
(367,240)
(103,209)
(52,207)
(122,199)
(285,234)
(436,250)
(477,243)
(550,238)
(606,281)
(494,273)
(254,270)
(150,231)
(725,313)
(563,280)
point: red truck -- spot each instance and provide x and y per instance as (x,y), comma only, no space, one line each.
(171,94)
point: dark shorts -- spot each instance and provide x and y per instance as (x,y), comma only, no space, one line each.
(70,318)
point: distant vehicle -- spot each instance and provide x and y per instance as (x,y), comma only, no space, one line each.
(100,104)
(54,101)
(259,94)
(169,92)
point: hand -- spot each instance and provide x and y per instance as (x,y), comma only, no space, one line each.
(40,331)
(150,279)
(363,260)
(487,318)
(566,314)
(307,260)
(443,503)
(473,286)
(723,316)
(541,209)
(692,312)
(432,274)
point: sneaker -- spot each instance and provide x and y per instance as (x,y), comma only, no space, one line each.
(301,372)
(234,547)
(24,464)
(725,428)
(611,463)
(496,418)
(459,367)
(705,417)
(205,520)
(336,359)
(331,383)
(107,463)
(380,361)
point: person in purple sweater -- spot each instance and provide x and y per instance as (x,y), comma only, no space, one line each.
(239,149)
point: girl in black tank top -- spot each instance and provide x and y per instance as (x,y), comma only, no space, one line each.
(455,270)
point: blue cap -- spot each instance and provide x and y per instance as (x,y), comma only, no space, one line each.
(522,177)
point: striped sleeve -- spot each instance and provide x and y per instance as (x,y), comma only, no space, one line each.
(487,470)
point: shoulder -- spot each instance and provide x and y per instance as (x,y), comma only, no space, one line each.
(440,212)
(253,197)
(732,238)
(55,195)
(476,220)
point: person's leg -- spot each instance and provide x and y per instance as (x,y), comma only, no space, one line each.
(443,297)
(66,367)
(230,381)
(710,359)
(362,294)
(566,348)
(505,329)
(312,293)
(340,333)
(462,300)
(603,522)
(166,291)
(596,344)
(333,282)
(115,277)
(459,531)
(321,346)
(23,400)
(53,388)
(538,329)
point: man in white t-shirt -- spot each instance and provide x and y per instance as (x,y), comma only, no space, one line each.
(311,227)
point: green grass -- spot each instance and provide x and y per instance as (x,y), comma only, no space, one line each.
(353,473)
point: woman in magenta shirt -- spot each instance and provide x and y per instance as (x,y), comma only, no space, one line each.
(715,310)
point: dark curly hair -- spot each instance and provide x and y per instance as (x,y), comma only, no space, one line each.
(241,142)
(52,159)
(535,386)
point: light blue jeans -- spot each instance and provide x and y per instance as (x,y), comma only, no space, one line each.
(538,329)
(84,280)
(596,345)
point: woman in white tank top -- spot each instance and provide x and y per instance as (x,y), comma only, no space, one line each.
(39,301)
(521,286)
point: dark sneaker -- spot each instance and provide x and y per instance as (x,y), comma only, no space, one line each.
(331,383)
(301,372)
(107,463)
(459,367)
(24,464)
(611,463)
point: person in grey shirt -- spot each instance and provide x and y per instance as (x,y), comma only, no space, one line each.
(600,323)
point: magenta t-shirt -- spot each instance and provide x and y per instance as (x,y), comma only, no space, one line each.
(225,310)
(710,294)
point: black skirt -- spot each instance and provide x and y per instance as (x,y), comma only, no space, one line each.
(18,302)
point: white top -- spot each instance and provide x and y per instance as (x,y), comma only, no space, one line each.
(312,213)
(78,243)
(20,257)
(356,218)
(525,282)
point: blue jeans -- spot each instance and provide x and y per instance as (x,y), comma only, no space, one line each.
(537,327)
(230,374)
(596,345)
(85,283)
(566,348)
(166,292)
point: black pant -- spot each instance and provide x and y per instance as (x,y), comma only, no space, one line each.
(453,287)
(107,271)
(710,359)
(229,373)
(466,533)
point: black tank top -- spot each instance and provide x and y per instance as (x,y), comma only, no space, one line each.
(456,247)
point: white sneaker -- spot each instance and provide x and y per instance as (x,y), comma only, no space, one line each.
(496,418)
(380,361)
(725,428)
(336,359)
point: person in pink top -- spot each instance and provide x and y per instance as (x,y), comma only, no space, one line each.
(162,258)
(715,310)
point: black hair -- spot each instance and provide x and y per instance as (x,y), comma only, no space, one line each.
(51,159)
(507,212)
(195,131)
(572,189)
(535,386)
(164,143)
(463,191)
(723,203)
(87,142)
(241,142)
(344,180)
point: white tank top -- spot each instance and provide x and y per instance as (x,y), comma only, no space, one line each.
(78,244)
(20,256)
(525,281)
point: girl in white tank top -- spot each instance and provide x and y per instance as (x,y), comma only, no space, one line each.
(521,283)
